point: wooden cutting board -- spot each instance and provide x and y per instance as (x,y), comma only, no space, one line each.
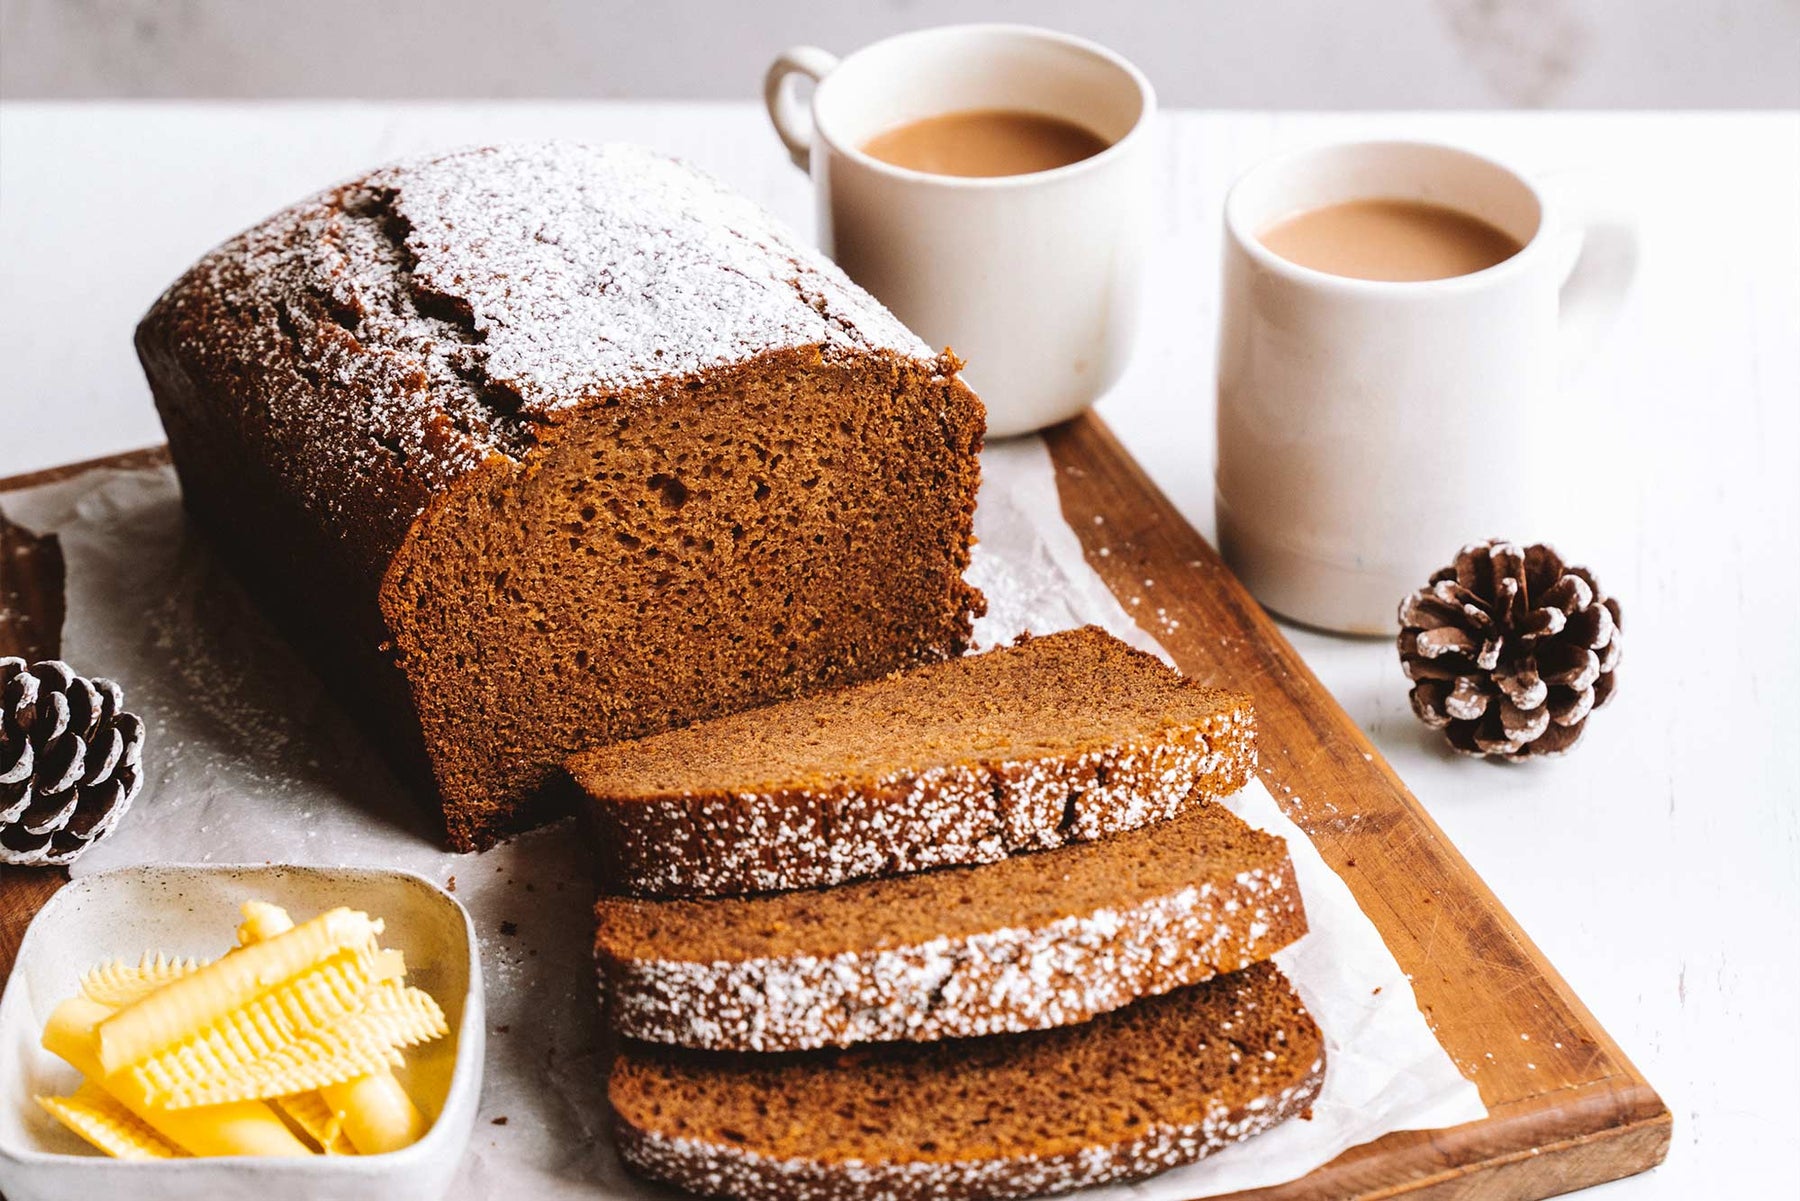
(1566,1108)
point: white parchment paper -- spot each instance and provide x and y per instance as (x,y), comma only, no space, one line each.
(250,761)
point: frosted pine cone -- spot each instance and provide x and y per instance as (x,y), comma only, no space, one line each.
(1509,650)
(69,761)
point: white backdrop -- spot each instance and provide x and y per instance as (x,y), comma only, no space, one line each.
(1278,54)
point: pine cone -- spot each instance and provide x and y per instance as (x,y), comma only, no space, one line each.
(1509,650)
(69,761)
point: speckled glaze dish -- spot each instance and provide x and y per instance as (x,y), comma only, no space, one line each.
(192,910)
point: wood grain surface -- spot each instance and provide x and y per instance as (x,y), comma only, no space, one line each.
(31,617)
(1567,1109)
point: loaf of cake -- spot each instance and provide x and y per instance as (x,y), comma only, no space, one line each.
(1163,1082)
(1030,942)
(1057,739)
(541,447)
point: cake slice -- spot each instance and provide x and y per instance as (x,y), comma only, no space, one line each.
(1058,739)
(1160,1083)
(1030,942)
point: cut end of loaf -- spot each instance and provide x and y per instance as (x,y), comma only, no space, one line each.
(738,543)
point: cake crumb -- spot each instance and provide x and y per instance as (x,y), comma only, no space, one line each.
(508,929)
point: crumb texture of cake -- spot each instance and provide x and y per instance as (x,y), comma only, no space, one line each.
(544,446)
(1063,738)
(1033,941)
(1131,1093)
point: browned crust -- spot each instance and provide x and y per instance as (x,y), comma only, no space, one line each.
(206,373)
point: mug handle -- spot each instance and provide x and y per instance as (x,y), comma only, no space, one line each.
(785,109)
(1602,254)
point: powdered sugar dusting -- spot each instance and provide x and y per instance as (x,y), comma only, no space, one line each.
(1008,979)
(594,269)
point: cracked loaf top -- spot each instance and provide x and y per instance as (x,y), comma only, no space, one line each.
(398,330)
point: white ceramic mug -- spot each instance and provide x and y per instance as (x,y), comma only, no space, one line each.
(1033,279)
(1367,429)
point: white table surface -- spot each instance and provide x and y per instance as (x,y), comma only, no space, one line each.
(1658,867)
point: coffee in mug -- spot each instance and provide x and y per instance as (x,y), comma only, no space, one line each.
(1028,261)
(1368,423)
(985,142)
(1396,240)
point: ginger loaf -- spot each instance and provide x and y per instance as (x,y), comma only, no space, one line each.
(1056,739)
(1031,942)
(540,447)
(1133,1092)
